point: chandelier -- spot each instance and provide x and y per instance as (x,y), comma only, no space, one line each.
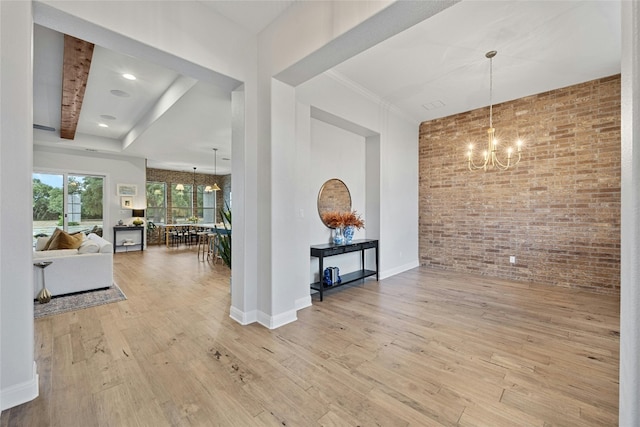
(490,155)
(180,189)
(215,187)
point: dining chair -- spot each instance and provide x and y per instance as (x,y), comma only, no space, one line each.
(214,247)
(176,236)
(203,243)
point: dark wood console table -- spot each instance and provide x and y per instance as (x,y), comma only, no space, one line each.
(117,228)
(329,249)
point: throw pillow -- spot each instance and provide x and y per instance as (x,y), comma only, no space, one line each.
(64,240)
(42,242)
(89,247)
(55,233)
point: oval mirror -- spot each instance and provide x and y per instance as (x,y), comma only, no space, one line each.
(334,196)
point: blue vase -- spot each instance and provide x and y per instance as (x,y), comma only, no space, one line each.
(338,237)
(348,233)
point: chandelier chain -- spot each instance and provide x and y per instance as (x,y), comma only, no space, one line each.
(491,159)
(491,92)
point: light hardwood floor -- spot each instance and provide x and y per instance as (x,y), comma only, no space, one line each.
(424,348)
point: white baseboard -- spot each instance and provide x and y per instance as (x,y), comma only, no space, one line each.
(20,393)
(273,322)
(303,302)
(242,317)
(400,269)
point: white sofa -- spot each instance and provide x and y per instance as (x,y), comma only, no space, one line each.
(74,270)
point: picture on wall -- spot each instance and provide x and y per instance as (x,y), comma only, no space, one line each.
(126,202)
(127,189)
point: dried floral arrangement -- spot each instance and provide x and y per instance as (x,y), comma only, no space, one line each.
(335,219)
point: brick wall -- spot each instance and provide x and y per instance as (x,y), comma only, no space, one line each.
(558,211)
(177,177)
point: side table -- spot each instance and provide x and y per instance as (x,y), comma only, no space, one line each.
(44,296)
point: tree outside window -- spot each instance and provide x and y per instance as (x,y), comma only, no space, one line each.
(156,202)
(181,202)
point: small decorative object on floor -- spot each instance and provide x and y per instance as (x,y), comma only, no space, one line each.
(332,276)
(44,296)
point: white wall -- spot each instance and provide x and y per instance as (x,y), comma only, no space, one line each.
(629,410)
(393,217)
(336,153)
(115,169)
(18,377)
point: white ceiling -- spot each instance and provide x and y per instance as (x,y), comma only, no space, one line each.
(441,63)
(434,69)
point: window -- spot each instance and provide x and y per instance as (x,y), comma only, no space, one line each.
(71,202)
(181,202)
(207,205)
(156,202)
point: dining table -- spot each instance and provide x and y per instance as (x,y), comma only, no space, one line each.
(211,227)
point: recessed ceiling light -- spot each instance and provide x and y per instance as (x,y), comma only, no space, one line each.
(120,93)
(107,117)
(103,125)
(129,76)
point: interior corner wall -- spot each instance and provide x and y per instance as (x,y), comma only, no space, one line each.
(306,205)
(245,252)
(336,153)
(557,211)
(372,183)
(287,251)
(398,194)
(116,169)
(391,170)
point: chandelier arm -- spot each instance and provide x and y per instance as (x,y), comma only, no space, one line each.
(501,165)
(473,166)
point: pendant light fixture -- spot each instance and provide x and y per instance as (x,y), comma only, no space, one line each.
(490,157)
(194,200)
(194,178)
(215,187)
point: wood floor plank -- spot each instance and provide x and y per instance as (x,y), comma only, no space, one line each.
(425,347)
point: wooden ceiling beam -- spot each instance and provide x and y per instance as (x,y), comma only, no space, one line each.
(75,73)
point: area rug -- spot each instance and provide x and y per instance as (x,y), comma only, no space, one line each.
(78,301)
